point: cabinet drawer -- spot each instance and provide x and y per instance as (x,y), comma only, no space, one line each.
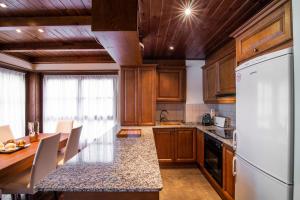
(268,32)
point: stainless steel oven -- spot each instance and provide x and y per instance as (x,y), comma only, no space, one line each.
(213,157)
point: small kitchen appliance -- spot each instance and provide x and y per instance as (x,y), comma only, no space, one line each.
(207,120)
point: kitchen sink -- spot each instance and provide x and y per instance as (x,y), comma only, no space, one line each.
(170,123)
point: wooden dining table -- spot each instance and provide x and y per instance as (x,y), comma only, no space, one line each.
(16,162)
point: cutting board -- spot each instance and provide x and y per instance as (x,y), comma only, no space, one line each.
(124,133)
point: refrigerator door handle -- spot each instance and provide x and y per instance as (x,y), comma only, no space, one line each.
(234,166)
(234,143)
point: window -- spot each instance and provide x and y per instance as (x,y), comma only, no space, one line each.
(89,100)
(12,101)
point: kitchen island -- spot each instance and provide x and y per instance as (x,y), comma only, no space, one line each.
(110,168)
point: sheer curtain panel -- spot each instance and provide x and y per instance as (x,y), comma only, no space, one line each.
(89,100)
(12,101)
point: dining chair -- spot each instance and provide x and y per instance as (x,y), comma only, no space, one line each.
(44,162)
(71,147)
(5,133)
(64,126)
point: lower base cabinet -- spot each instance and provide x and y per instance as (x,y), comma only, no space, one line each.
(175,145)
(228,178)
(164,141)
(200,148)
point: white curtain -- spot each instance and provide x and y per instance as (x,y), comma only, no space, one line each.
(89,100)
(12,101)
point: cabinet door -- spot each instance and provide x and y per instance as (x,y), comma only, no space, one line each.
(171,85)
(200,148)
(129,100)
(147,95)
(210,83)
(164,141)
(185,145)
(271,28)
(228,178)
(226,75)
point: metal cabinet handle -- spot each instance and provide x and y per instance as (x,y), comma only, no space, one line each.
(234,166)
(234,142)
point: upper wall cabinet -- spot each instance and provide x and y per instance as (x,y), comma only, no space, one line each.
(138,95)
(219,75)
(171,84)
(269,30)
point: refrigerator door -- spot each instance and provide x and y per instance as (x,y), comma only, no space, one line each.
(254,184)
(264,116)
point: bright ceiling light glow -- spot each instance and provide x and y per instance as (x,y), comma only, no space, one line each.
(171,48)
(18,30)
(3,5)
(41,30)
(187,11)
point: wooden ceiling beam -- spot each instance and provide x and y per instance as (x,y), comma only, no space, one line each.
(51,46)
(72,59)
(12,23)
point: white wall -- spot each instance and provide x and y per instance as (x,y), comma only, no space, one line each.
(296,21)
(194,93)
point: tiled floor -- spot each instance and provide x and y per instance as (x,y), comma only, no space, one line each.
(186,184)
(179,184)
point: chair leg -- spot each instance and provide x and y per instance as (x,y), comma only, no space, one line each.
(29,196)
(56,196)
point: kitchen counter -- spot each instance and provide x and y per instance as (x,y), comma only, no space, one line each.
(110,164)
(200,127)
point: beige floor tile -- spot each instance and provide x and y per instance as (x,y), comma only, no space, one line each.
(186,184)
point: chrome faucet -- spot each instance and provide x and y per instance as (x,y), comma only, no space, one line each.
(162,116)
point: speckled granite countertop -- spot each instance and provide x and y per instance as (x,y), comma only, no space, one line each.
(110,164)
(205,129)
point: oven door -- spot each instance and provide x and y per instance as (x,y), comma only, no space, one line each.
(213,158)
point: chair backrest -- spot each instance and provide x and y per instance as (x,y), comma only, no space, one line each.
(45,158)
(5,133)
(64,126)
(72,144)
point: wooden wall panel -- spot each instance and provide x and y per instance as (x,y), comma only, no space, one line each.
(34,98)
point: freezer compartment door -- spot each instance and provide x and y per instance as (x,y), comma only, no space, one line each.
(253,184)
(264,116)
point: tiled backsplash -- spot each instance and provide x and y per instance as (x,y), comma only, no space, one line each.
(227,110)
(194,112)
(175,111)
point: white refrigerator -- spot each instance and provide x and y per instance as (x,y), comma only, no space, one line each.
(264,128)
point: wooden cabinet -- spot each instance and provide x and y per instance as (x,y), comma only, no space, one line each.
(138,95)
(164,141)
(146,95)
(210,83)
(175,145)
(129,99)
(228,178)
(226,75)
(265,32)
(200,148)
(185,145)
(171,84)
(219,75)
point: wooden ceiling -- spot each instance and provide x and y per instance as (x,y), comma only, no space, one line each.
(68,37)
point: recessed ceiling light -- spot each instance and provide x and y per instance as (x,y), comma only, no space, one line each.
(18,30)
(41,30)
(171,48)
(188,11)
(3,5)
